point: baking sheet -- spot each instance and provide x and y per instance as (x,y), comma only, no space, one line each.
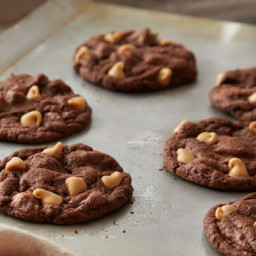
(166,217)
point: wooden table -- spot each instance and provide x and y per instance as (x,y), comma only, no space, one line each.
(13,10)
(234,10)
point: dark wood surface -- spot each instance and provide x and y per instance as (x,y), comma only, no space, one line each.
(13,10)
(233,10)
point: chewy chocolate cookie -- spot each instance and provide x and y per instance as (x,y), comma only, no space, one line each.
(215,153)
(235,93)
(62,184)
(36,110)
(231,228)
(134,61)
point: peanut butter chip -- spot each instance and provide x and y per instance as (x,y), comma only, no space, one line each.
(252,126)
(208,137)
(75,185)
(117,70)
(47,197)
(77,102)
(34,93)
(184,156)
(113,37)
(15,88)
(15,163)
(141,40)
(177,129)
(219,78)
(223,211)
(164,76)
(112,181)
(163,42)
(252,98)
(254,224)
(126,48)
(238,168)
(56,150)
(82,53)
(31,119)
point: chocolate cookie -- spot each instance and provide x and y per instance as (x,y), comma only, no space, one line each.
(134,61)
(36,110)
(231,228)
(235,93)
(215,153)
(62,184)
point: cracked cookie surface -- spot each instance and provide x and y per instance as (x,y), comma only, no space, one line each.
(134,61)
(48,188)
(234,234)
(225,161)
(36,110)
(233,94)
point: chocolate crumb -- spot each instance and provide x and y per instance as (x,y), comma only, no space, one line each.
(114,223)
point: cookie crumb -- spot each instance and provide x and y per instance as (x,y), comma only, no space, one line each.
(76,232)
(114,223)
(131,212)
(124,231)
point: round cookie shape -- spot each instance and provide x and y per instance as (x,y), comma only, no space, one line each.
(235,93)
(215,153)
(62,184)
(231,227)
(134,61)
(36,110)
